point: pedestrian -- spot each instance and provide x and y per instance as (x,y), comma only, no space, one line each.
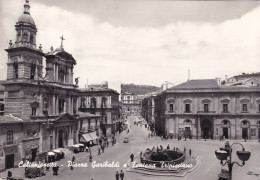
(53,170)
(99,151)
(132,157)
(117,175)
(9,174)
(90,158)
(190,152)
(73,159)
(141,154)
(168,147)
(185,138)
(107,144)
(184,149)
(89,150)
(122,175)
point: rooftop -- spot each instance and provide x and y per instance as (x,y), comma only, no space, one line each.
(198,84)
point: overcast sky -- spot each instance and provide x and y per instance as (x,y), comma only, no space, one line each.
(144,41)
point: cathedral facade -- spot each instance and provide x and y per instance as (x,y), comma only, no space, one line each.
(41,113)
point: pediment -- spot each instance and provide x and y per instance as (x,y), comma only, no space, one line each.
(65,117)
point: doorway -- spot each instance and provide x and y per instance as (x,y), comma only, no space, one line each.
(225,133)
(206,129)
(61,145)
(9,161)
(34,153)
(244,133)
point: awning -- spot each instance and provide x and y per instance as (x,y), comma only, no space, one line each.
(85,138)
(57,151)
(93,135)
(51,153)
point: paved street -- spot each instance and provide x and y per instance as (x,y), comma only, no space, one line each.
(138,141)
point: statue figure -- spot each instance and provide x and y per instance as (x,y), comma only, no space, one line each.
(77,80)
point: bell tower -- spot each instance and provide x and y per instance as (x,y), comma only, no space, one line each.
(24,59)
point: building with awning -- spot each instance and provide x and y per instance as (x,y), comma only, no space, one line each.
(93,135)
(84,138)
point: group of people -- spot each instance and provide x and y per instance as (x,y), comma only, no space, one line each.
(121,175)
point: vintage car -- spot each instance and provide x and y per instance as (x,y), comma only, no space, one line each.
(32,172)
(58,154)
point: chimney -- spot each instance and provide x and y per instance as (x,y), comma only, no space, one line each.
(218,80)
(226,78)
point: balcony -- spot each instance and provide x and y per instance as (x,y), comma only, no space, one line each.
(206,112)
(225,112)
(187,112)
(170,112)
(10,144)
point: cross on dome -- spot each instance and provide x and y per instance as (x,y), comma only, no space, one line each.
(62,39)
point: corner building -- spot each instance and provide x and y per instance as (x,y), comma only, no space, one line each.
(205,109)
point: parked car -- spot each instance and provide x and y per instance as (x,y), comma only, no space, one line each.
(32,172)
(126,140)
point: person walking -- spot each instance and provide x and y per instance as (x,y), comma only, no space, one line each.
(122,175)
(190,152)
(99,151)
(132,157)
(90,158)
(117,175)
(73,159)
(9,174)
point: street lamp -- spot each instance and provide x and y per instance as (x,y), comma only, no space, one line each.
(225,154)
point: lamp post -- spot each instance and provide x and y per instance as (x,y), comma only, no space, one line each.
(225,154)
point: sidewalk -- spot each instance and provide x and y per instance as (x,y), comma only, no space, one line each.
(19,171)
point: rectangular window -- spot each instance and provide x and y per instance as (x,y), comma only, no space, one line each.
(244,107)
(171,107)
(259,109)
(225,108)
(187,108)
(33,111)
(10,138)
(206,107)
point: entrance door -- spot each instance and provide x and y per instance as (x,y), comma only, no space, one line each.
(225,133)
(9,161)
(244,133)
(206,129)
(34,152)
(61,138)
(187,132)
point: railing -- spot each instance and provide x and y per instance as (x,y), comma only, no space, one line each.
(225,112)
(206,112)
(171,111)
(187,112)
(13,143)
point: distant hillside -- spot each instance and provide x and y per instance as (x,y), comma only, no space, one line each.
(138,89)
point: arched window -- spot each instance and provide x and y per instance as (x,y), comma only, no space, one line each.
(93,103)
(31,39)
(245,122)
(15,65)
(258,123)
(225,122)
(104,102)
(82,102)
(33,70)
(187,121)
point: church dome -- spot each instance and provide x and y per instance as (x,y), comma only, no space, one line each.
(26,18)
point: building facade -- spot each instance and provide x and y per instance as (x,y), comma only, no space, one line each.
(105,103)
(131,103)
(205,109)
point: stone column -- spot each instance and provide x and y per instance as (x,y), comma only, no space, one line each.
(53,104)
(40,140)
(199,129)
(54,71)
